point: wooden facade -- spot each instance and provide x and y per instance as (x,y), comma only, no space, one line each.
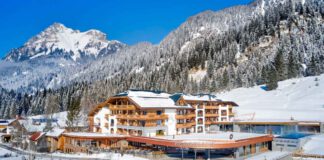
(86,144)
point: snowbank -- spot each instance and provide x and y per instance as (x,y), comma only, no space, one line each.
(301,99)
(315,145)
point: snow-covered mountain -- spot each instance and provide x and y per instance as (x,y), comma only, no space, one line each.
(60,41)
(241,46)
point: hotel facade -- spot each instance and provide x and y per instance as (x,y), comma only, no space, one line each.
(149,113)
(162,122)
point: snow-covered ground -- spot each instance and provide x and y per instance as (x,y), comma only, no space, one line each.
(8,155)
(112,156)
(300,98)
(315,146)
(61,118)
(271,155)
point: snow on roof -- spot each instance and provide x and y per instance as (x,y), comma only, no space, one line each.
(155,102)
(151,99)
(36,136)
(200,97)
(91,134)
(213,136)
(144,93)
(55,132)
(159,99)
(314,146)
(5,122)
(269,120)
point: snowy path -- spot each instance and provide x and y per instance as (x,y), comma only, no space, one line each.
(19,154)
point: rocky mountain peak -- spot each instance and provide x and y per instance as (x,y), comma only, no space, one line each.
(59,40)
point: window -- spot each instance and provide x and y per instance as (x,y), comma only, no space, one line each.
(158,112)
(290,145)
(159,122)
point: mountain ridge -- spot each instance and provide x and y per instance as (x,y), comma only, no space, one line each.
(210,52)
(66,42)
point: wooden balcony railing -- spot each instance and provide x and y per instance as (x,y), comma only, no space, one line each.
(143,117)
(122,107)
(187,116)
(186,125)
(211,107)
(211,114)
(140,125)
(208,122)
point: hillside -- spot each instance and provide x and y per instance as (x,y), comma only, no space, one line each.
(298,98)
(212,51)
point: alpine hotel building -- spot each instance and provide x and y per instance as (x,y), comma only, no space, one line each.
(159,121)
(148,113)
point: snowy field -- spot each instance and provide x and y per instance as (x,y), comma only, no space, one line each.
(271,155)
(315,146)
(8,155)
(301,99)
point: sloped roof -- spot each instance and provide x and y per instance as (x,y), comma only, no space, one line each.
(200,97)
(153,99)
(6,122)
(55,132)
(158,99)
(36,136)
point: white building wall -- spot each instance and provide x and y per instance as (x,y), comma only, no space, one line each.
(171,121)
(223,108)
(112,126)
(100,118)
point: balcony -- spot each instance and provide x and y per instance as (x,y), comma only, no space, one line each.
(147,126)
(186,125)
(143,117)
(96,124)
(211,115)
(224,114)
(208,122)
(211,107)
(187,116)
(122,107)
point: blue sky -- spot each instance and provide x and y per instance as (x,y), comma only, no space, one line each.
(129,21)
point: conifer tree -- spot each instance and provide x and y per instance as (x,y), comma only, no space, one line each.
(292,66)
(73,111)
(272,82)
(279,64)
